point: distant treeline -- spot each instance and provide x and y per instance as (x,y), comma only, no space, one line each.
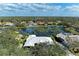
(33,18)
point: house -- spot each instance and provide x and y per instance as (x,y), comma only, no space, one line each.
(0,23)
(40,21)
(74,38)
(8,24)
(18,37)
(50,22)
(61,38)
(68,37)
(31,23)
(23,22)
(33,39)
(62,35)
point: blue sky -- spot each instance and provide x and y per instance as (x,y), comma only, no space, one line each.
(39,9)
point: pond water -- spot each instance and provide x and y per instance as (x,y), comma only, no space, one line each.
(42,31)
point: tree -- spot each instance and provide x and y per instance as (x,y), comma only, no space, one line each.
(43,49)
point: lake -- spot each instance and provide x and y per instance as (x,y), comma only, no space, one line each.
(42,31)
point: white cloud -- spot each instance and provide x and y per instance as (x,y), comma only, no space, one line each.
(11,6)
(74,8)
(47,7)
(29,6)
(6,7)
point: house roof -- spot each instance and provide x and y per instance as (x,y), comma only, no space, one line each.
(69,35)
(32,39)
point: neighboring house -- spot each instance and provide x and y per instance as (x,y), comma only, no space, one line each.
(18,37)
(8,24)
(61,35)
(31,23)
(74,38)
(69,37)
(40,21)
(59,21)
(0,23)
(33,39)
(50,22)
(23,22)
